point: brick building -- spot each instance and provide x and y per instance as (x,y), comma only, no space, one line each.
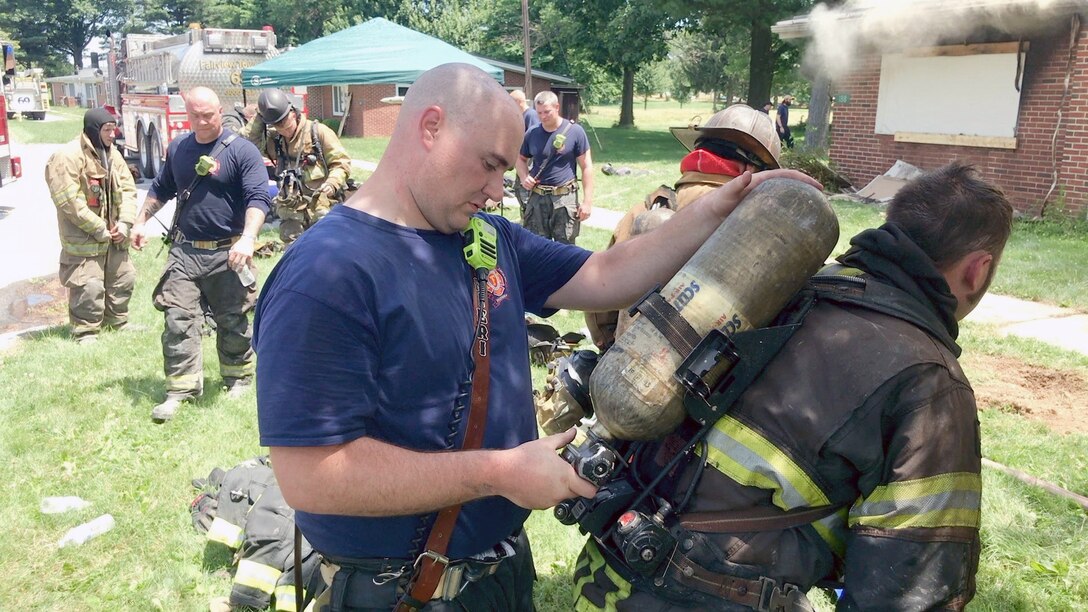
(1007,95)
(368,115)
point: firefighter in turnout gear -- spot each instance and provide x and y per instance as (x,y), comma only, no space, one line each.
(312,167)
(734,140)
(854,457)
(95,197)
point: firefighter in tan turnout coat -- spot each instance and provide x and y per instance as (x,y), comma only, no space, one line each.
(95,196)
(312,166)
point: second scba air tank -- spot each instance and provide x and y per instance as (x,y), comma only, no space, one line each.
(741,277)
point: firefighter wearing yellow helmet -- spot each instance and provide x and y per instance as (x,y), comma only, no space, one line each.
(734,140)
(312,166)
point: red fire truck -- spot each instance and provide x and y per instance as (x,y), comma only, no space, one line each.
(10,166)
(148,73)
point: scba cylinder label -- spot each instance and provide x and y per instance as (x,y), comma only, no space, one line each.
(686,295)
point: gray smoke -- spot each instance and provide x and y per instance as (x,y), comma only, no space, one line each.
(841,34)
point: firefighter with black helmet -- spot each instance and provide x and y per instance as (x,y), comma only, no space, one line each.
(312,166)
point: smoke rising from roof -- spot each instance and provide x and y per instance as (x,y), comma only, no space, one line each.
(841,34)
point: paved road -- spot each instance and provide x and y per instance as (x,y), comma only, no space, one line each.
(29,248)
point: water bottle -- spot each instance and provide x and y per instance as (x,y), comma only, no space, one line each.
(245,275)
(80,534)
(58,505)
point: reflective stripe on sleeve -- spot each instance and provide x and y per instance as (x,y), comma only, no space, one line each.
(945,500)
(748,458)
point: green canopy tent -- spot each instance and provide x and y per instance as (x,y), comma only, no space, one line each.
(378,51)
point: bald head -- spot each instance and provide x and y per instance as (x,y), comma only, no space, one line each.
(205,114)
(468,97)
(457,132)
(519,97)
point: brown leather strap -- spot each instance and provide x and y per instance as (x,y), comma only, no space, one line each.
(763,594)
(432,563)
(754,519)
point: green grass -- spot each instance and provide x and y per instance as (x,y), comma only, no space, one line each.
(62,125)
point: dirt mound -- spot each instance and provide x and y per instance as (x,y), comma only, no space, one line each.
(32,303)
(1054,397)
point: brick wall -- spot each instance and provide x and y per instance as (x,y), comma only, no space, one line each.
(370,116)
(1026,173)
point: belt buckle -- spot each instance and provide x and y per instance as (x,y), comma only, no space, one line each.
(451,583)
(773,598)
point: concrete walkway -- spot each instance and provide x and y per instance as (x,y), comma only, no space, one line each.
(29,248)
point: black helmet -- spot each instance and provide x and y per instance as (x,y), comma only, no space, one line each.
(273,105)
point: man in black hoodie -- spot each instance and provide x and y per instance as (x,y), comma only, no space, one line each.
(95,197)
(864,415)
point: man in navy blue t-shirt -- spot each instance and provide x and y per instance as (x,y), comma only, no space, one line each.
(222,189)
(365,333)
(557,148)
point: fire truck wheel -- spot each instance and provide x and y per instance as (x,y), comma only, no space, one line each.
(141,149)
(154,152)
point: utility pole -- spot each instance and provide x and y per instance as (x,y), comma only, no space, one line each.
(528,52)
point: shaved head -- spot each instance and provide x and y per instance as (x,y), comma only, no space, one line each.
(466,94)
(458,131)
(205,114)
(519,97)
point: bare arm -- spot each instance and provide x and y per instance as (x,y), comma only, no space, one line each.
(242,251)
(367,477)
(618,276)
(138,234)
(522,167)
(585,206)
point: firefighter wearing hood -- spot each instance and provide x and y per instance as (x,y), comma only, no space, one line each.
(95,196)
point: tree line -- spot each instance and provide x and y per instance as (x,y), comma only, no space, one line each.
(616,48)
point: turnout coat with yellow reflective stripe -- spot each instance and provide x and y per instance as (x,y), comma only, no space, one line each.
(859,408)
(89,196)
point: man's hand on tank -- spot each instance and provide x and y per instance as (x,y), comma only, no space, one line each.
(534,476)
(728,196)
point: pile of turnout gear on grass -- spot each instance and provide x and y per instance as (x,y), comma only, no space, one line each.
(243,509)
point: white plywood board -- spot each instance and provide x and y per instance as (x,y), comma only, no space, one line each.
(972,95)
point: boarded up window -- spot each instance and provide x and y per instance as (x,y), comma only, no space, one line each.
(965,90)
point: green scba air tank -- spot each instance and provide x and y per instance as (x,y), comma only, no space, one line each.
(741,277)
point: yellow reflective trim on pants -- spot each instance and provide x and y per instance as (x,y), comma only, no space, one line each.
(257,576)
(225,532)
(740,453)
(236,371)
(285,598)
(596,562)
(944,500)
(183,382)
